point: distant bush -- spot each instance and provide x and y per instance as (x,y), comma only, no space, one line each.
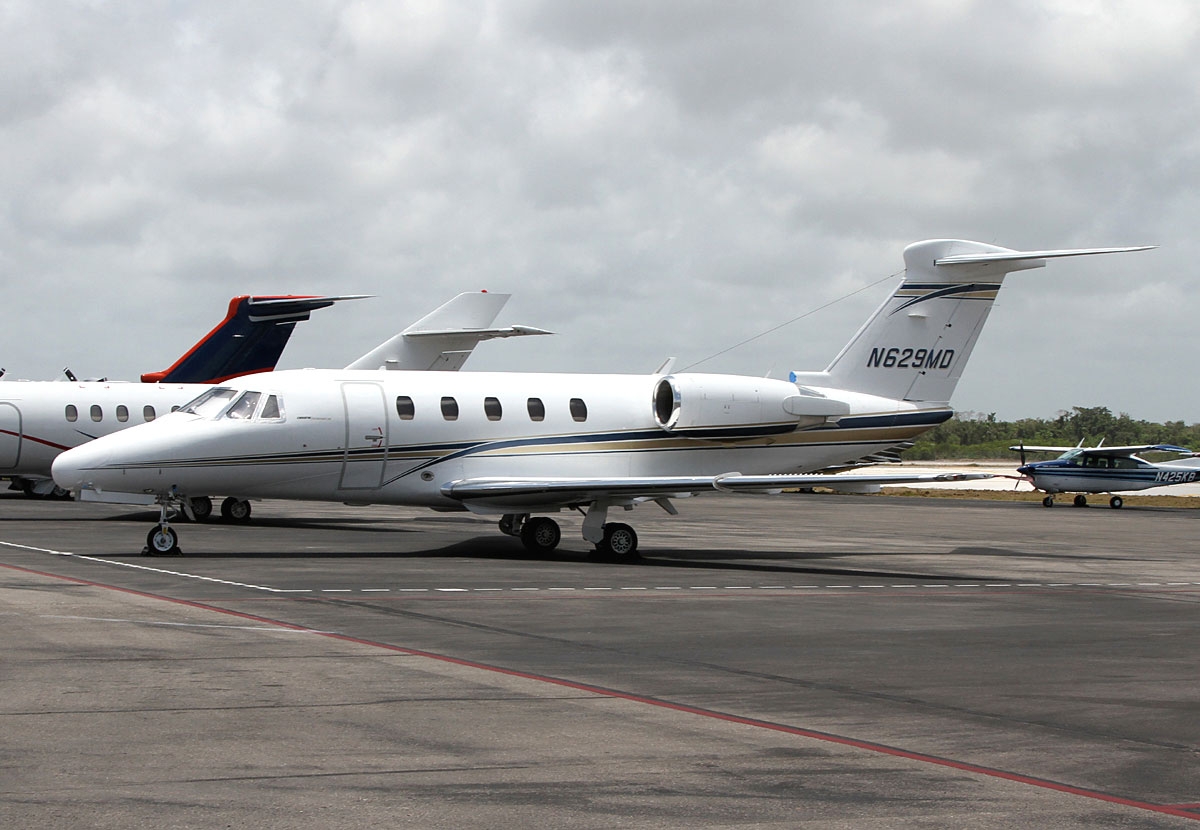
(973,435)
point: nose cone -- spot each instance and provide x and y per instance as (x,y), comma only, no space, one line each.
(114,463)
(77,469)
(1025,469)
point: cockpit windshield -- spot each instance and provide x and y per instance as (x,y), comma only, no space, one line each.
(1071,455)
(239,405)
(209,404)
(243,408)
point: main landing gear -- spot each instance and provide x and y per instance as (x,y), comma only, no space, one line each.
(1116,502)
(614,541)
(235,510)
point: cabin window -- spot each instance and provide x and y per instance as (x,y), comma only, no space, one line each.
(122,413)
(492,408)
(450,409)
(578,409)
(537,409)
(271,410)
(243,408)
(405,408)
(148,413)
(97,413)
(174,409)
(72,413)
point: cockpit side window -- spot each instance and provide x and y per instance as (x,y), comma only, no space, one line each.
(210,403)
(243,408)
(272,410)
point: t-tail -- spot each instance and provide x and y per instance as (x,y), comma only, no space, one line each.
(250,339)
(916,345)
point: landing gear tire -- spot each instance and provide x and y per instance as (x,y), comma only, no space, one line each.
(162,541)
(1048,501)
(619,544)
(235,510)
(511,523)
(202,508)
(1115,502)
(540,535)
(1081,500)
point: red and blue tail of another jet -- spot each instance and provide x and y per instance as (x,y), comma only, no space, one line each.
(250,339)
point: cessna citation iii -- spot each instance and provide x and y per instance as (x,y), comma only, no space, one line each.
(1105,470)
(514,445)
(40,419)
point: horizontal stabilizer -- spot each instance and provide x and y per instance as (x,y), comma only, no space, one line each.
(1009,256)
(480,334)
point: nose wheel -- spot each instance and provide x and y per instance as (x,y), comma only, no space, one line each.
(162,541)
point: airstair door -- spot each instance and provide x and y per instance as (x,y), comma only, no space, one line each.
(366,436)
(10,436)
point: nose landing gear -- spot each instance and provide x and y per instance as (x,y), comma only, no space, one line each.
(162,540)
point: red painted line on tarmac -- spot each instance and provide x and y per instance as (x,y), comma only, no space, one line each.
(1178,810)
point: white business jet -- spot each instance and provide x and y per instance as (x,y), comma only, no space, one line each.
(41,419)
(515,445)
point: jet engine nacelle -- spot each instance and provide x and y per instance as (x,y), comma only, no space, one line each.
(699,403)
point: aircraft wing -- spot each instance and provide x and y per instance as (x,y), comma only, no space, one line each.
(1108,451)
(486,494)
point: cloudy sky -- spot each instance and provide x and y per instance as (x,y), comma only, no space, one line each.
(648,179)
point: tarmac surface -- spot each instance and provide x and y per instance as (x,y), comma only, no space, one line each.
(801,661)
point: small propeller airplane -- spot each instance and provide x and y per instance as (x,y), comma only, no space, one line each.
(1102,469)
(40,419)
(514,445)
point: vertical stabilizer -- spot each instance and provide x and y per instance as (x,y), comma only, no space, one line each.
(916,345)
(443,339)
(250,339)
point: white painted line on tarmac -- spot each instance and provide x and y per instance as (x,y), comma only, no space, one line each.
(137,567)
(866,586)
(274,629)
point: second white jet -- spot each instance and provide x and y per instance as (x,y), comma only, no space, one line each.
(515,445)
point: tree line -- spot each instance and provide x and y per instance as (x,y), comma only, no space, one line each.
(979,435)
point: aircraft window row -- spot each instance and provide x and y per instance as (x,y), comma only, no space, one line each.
(96,413)
(492,408)
(1118,462)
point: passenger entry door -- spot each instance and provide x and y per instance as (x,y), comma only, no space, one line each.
(10,436)
(366,436)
